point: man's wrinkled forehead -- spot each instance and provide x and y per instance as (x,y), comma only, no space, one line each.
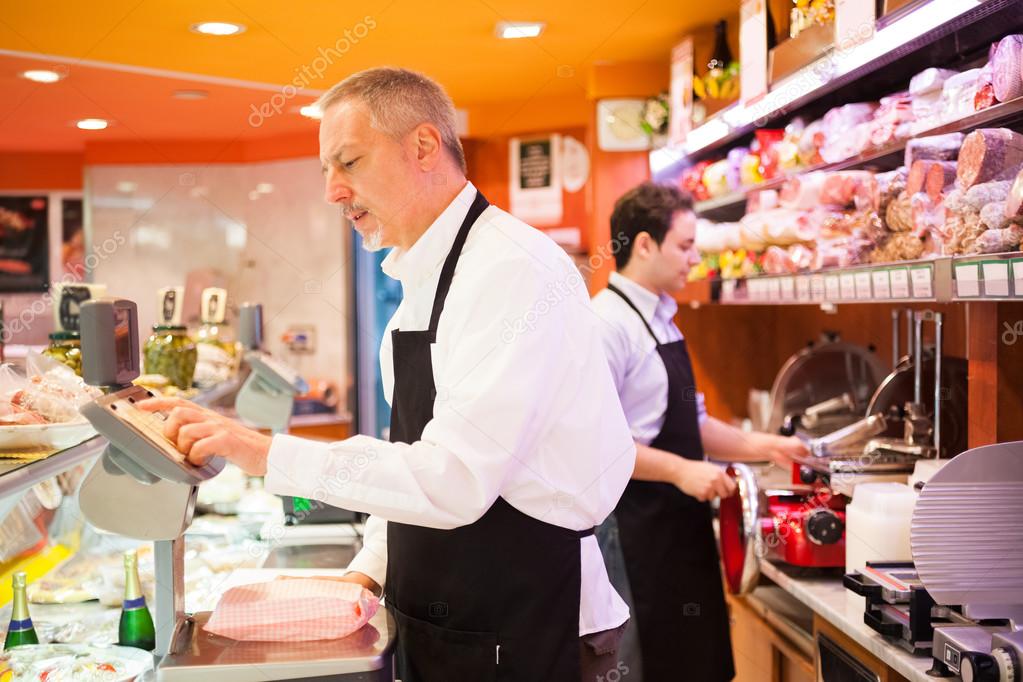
(345,124)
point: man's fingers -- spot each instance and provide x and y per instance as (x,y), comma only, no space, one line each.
(205,449)
(178,417)
(190,434)
(161,404)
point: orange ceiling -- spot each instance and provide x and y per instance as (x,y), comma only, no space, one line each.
(285,42)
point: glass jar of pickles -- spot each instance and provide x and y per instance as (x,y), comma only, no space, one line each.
(170,352)
(219,356)
(66,347)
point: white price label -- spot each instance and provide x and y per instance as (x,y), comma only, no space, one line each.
(922,279)
(803,287)
(728,290)
(832,288)
(882,285)
(817,288)
(847,282)
(996,278)
(967,280)
(773,290)
(863,286)
(899,278)
(1017,275)
(788,288)
(756,289)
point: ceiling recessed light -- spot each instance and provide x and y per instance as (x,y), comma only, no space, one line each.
(92,124)
(218,28)
(191,94)
(519,29)
(264,187)
(41,75)
(311,111)
(127,186)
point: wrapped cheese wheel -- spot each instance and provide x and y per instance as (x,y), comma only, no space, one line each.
(899,216)
(936,147)
(1007,68)
(989,154)
(929,80)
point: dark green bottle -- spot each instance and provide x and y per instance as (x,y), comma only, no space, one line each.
(20,631)
(136,627)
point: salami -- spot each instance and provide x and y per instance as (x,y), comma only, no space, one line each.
(979,196)
(842,187)
(939,178)
(993,215)
(989,154)
(1014,201)
(935,147)
(998,241)
(1006,65)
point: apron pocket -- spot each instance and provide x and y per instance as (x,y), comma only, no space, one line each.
(430,653)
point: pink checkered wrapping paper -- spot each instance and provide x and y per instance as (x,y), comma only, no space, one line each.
(292,610)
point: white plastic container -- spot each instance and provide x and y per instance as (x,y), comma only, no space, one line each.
(877,524)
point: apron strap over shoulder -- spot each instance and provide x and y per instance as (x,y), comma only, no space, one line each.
(632,305)
(447,273)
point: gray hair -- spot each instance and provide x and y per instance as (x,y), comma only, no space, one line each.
(399,100)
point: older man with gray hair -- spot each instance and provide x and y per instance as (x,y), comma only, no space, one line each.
(505,449)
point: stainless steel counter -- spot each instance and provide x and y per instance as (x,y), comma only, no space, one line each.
(843,609)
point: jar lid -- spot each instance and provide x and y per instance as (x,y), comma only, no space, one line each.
(65,335)
(169,328)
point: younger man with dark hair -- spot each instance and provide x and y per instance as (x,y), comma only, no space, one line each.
(664,520)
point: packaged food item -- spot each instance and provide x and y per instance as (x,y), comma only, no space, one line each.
(993,215)
(899,215)
(1014,199)
(218,355)
(846,131)
(958,94)
(715,179)
(170,352)
(1007,68)
(768,140)
(749,170)
(930,176)
(692,181)
(998,241)
(66,348)
(979,196)
(989,154)
(810,143)
(734,161)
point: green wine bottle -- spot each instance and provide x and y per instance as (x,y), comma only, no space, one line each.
(136,627)
(20,631)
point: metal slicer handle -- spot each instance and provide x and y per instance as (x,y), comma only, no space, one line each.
(895,337)
(857,431)
(918,355)
(938,321)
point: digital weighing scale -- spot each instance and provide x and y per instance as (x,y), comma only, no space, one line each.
(141,470)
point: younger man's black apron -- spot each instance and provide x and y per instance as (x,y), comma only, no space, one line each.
(497,599)
(671,555)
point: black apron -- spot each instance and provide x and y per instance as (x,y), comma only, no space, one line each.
(497,599)
(671,555)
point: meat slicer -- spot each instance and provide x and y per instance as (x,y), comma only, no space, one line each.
(142,470)
(917,411)
(961,599)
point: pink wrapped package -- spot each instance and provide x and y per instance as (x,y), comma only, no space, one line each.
(292,610)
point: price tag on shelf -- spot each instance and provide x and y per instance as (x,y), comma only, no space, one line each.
(803,287)
(788,288)
(832,288)
(967,280)
(921,278)
(882,285)
(773,290)
(1017,276)
(728,290)
(899,279)
(996,278)
(755,286)
(817,288)
(847,282)
(862,286)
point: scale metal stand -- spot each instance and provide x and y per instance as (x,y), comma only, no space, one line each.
(143,488)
